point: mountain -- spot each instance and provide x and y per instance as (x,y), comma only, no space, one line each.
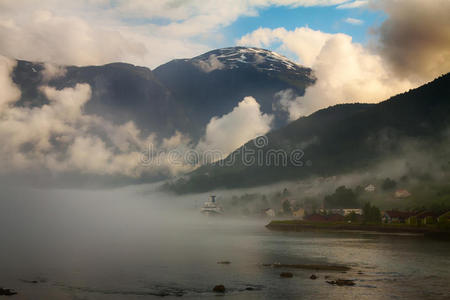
(213,83)
(336,140)
(182,95)
(120,93)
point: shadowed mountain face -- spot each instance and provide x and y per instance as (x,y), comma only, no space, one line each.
(120,93)
(180,95)
(213,83)
(336,140)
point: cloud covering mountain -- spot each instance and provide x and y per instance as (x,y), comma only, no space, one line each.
(53,119)
(54,132)
(146,33)
(59,137)
(405,52)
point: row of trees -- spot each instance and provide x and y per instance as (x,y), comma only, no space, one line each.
(345,197)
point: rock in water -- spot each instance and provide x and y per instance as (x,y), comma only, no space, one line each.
(7,292)
(313,276)
(225,262)
(219,288)
(342,282)
(286,275)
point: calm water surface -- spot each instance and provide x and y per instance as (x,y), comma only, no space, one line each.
(128,245)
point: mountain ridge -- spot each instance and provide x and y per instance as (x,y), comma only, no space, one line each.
(176,96)
(217,91)
(341,138)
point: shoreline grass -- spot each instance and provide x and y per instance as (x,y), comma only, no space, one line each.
(300,225)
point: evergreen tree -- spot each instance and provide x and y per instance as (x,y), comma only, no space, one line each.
(371,214)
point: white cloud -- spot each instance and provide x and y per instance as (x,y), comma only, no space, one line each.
(354,21)
(9,92)
(354,4)
(146,33)
(209,65)
(304,42)
(59,137)
(52,71)
(409,48)
(287,100)
(230,131)
(415,37)
(345,71)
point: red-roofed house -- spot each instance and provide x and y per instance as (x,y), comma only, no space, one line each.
(335,218)
(315,218)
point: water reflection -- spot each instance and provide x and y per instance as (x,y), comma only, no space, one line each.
(125,244)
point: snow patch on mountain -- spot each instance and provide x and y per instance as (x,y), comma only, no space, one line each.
(238,57)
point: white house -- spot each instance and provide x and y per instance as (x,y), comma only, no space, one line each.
(348,211)
(370,188)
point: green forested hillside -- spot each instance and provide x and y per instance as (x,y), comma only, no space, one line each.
(339,139)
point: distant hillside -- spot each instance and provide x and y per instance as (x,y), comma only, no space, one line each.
(120,93)
(336,140)
(180,95)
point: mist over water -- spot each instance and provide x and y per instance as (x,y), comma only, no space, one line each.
(134,243)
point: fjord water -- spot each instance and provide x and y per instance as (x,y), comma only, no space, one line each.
(133,244)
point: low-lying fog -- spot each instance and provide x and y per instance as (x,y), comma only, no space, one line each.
(135,242)
(125,238)
(41,226)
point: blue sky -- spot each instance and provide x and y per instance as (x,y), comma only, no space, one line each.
(327,19)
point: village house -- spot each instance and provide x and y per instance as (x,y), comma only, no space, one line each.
(299,213)
(394,216)
(402,194)
(335,218)
(345,211)
(348,211)
(444,218)
(370,188)
(338,211)
(426,217)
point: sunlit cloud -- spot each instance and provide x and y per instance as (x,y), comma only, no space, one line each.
(354,21)
(353,4)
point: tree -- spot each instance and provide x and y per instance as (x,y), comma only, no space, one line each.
(388,184)
(264,201)
(286,206)
(371,214)
(343,197)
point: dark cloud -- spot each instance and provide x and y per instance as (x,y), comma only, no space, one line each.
(415,37)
